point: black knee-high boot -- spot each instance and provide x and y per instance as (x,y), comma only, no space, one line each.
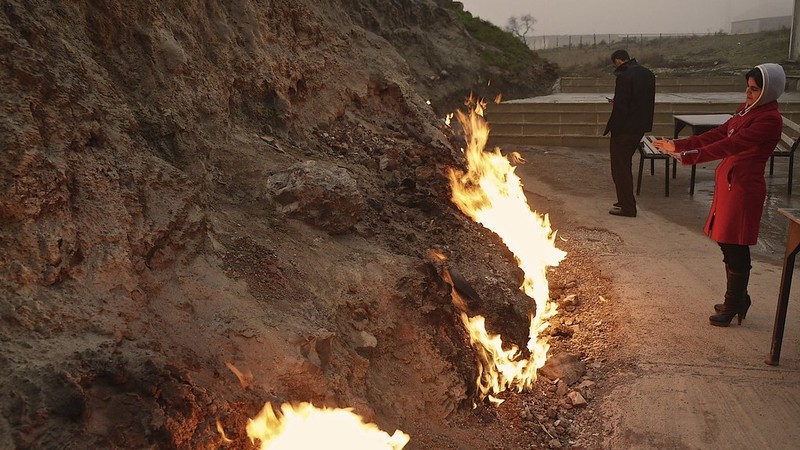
(736,299)
(747,301)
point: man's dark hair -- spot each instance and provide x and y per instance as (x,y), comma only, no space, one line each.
(755,73)
(620,54)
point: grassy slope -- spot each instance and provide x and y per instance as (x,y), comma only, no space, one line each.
(719,54)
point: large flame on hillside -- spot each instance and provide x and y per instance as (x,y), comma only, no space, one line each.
(307,427)
(491,194)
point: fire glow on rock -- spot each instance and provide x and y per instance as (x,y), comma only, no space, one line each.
(491,194)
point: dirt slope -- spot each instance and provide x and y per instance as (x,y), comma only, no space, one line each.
(190,184)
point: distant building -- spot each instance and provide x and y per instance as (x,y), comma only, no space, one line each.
(762,24)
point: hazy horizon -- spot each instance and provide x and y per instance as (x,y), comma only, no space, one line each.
(627,16)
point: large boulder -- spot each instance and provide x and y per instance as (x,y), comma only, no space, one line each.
(318,193)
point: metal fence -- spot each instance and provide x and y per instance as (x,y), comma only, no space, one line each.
(549,41)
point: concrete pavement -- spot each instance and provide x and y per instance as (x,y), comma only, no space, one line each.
(688,385)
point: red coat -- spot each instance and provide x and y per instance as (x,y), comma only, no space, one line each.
(744,143)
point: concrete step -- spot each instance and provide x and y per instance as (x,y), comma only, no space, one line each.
(498,116)
(508,130)
(579,120)
(578,141)
(664,84)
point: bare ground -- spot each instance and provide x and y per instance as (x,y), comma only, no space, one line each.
(677,382)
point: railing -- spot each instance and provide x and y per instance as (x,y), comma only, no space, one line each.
(544,42)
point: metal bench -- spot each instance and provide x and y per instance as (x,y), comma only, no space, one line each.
(790,140)
(786,147)
(647,151)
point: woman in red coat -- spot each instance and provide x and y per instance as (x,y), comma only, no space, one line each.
(744,143)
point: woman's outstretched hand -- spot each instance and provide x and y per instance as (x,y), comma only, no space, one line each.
(665,145)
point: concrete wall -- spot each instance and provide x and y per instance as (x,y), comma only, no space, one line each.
(763,24)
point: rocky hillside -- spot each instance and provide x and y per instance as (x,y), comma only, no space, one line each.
(190,187)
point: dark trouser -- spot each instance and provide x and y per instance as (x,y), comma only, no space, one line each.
(622,148)
(736,257)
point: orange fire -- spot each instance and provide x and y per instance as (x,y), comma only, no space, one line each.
(491,194)
(306,427)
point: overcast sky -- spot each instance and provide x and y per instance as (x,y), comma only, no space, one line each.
(627,16)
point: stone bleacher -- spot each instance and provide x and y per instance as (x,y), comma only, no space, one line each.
(577,116)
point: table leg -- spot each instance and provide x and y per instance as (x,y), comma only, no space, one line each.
(691,180)
(678,127)
(792,247)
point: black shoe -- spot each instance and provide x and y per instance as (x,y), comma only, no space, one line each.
(742,311)
(617,211)
(724,317)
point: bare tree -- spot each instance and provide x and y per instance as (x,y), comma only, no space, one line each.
(521,26)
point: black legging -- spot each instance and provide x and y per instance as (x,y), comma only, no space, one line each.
(736,257)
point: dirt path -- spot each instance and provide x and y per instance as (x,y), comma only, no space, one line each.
(685,384)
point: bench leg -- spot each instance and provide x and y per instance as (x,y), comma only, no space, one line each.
(674,168)
(691,180)
(652,167)
(791,169)
(666,177)
(639,178)
(771,164)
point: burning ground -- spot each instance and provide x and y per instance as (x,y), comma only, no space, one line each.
(210,206)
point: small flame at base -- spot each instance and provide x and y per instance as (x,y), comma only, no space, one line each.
(308,427)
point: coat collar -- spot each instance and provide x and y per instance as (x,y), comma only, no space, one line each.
(771,106)
(625,66)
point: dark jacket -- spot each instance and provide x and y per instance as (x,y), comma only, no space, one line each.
(744,143)
(634,100)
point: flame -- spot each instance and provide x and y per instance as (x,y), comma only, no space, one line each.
(221,432)
(245,379)
(308,427)
(491,194)
(447,119)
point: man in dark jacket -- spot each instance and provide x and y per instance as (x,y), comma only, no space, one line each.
(631,117)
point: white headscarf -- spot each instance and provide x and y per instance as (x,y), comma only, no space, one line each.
(774,84)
